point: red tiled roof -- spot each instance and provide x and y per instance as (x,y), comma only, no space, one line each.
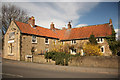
(26,28)
(101,30)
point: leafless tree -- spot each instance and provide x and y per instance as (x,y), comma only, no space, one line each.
(11,12)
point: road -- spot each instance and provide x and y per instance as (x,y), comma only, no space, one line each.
(20,69)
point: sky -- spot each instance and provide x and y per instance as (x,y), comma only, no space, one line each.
(80,13)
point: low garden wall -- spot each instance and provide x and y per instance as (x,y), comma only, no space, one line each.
(41,59)
(84,61)
(95,61)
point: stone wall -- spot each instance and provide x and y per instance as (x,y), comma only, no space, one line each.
(84,41)
(95,61)
(41,59)
(15,55)
(40,46)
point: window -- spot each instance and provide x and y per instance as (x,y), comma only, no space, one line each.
(34,39)
(46,41)
(102,49)
(73,41)
(46,50)
(11,35)
(73,51)
(55,41)
(63,42)
(100,40)
(10,49)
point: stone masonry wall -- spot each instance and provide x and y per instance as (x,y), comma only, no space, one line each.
(15,45)
(40,46)
(95,61)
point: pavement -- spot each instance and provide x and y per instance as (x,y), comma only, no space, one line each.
(21,69)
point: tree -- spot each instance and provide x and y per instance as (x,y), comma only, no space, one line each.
(92,39)
(113,44)
(9,13)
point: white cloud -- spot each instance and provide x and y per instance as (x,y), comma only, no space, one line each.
(81,25)
(59,0)
(59,13)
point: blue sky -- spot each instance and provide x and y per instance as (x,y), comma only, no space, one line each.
(101,14)
(60,13)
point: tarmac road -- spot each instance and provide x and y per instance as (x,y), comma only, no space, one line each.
(20,69)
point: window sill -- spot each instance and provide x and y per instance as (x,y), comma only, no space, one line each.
(46,43)
(34,42)
(100,42)
(11,54)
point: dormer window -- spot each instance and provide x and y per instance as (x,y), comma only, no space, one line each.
(73,41)
(46,41)
(100,40)
(34,39)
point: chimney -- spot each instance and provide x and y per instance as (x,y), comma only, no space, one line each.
(31,21)
(52,26)
(69,25)
(110,21)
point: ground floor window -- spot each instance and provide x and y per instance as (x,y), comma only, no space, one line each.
(73,51)
(10,48)
(102,49)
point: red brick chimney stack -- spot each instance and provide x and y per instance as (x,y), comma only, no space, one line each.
(110,21)
(69,25)
(52,26)
(31,21)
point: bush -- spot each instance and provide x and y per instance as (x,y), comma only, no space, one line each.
(92,50)
(60,58)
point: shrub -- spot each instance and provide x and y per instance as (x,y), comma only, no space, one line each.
(92,50)
(60,58)
(92,39)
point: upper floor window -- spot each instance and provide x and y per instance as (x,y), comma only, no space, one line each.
(34,39)
(55,41)
(46,41)
(73,41)
(100,40)
(11,35)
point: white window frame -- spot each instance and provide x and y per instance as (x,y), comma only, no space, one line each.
(63,42)
(103,49)
(73,42)
(101,40)
(35,39)
(10,49)
(47,41)
(55,41)
(47,49)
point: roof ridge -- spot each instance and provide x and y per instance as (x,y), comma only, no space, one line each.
(28,24)
(90,25)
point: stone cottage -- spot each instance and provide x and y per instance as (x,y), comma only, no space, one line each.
(20,38)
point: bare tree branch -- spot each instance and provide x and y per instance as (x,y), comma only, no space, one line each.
(11,12)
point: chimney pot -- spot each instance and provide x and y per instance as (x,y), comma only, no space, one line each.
(69,25)
(31,21)
(52,26)
(110,21)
